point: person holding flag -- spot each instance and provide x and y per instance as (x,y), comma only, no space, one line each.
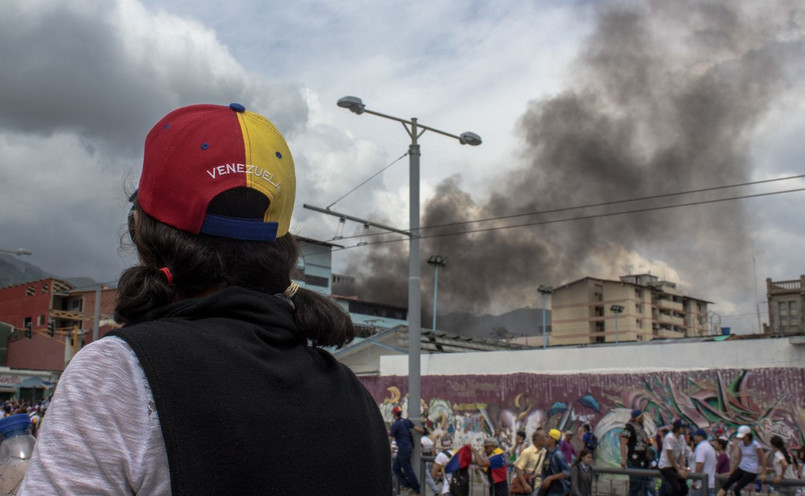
(453,468)
(493,460)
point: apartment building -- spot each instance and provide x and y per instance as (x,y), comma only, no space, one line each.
(786,300)
(634,308)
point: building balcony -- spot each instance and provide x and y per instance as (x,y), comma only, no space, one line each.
(671,320)
(670,305)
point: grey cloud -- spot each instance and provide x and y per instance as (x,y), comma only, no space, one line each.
(664,97)
(80,88)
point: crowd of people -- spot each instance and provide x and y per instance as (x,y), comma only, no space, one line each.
(679,450)
(35,409)
(548,464)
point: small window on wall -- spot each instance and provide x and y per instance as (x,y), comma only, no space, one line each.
(792,310)
(45,288)
(30,291)
(40,320)
(783,308)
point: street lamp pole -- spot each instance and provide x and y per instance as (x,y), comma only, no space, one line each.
(415,130)
(616,309)
(437,261)
(545,291)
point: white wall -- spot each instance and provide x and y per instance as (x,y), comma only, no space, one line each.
(625,358)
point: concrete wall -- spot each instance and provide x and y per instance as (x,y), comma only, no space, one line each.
(713,385)
(654,356)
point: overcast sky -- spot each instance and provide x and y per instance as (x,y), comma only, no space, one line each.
(81,86)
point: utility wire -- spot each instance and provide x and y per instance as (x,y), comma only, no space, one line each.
(583,217)
(591,205)
(366,181)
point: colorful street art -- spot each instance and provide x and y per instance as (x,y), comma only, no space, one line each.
(470,407)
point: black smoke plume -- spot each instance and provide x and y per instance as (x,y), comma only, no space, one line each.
(664,97)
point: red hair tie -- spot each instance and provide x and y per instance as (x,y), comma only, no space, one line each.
(167,272)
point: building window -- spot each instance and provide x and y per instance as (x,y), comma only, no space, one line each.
(30,291)
(783,308)
(639,323)
(316,280)
(792,312)
(41,320)
(27,322)
(45,288)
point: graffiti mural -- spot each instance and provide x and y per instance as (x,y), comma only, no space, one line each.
(770,401)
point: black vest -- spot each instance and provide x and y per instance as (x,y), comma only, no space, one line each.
(246,407)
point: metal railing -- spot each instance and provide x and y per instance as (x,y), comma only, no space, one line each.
(608,481)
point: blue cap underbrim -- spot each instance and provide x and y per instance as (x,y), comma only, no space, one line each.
(238,228)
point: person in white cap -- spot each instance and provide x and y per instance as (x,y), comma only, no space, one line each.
(751,463)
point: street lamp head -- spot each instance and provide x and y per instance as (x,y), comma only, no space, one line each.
(353,103)
(545,289)
(468,138)
(616,308)
(438,261)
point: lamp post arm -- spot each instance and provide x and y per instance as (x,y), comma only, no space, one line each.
(411,123)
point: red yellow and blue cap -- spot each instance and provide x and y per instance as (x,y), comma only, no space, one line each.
(197,152)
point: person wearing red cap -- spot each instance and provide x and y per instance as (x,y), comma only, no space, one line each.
(400,433)
(210,309)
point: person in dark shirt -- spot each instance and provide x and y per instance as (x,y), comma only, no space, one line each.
(210,308)
(722,459)
(633,446)
(401,433)
(555,470)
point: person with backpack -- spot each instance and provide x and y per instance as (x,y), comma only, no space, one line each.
(437,471)
(589,439)
(452,467)
(633,446)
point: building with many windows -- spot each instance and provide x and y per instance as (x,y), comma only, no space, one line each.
(786,300)
(634,308)
(314,267)
(47,321)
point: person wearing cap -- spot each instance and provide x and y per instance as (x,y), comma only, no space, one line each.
(555,470)
(493,461)
(672,459)
(437,471)
(704,459)
(401,433)
(567,448)
(751,462)
(210,309)
(633,448)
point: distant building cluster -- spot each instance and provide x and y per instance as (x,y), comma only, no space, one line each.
(634,308)
(43,323)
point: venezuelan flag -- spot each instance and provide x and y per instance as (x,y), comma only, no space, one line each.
(497,465)
(461,459)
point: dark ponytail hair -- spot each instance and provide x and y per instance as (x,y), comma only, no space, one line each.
(584,452)
(200,264)
(778,443)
